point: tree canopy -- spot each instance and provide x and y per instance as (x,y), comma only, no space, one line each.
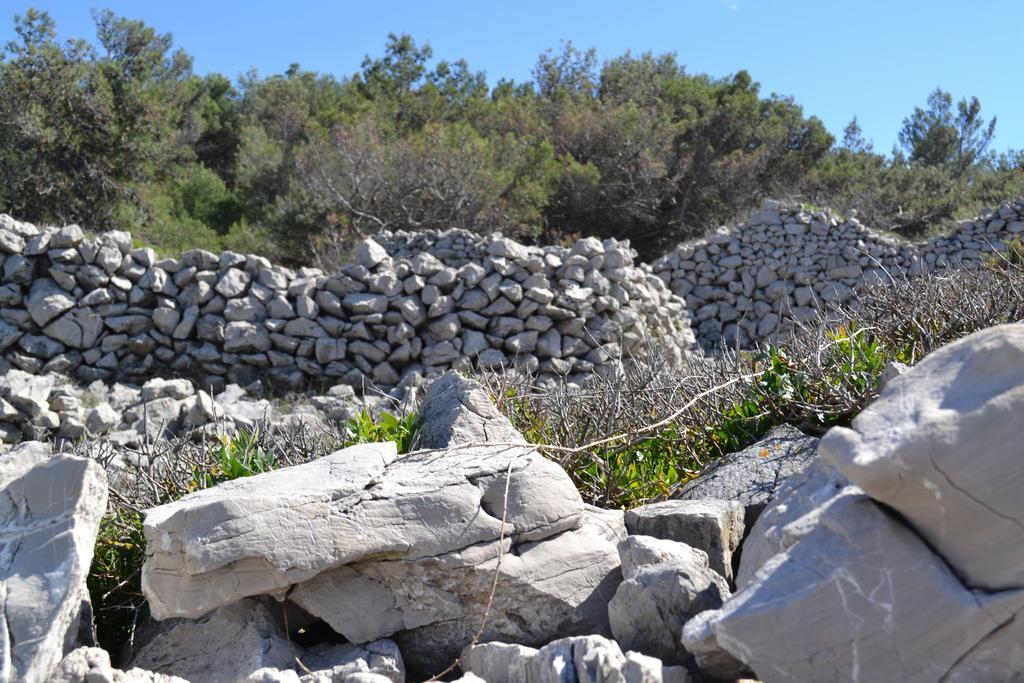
(123,133)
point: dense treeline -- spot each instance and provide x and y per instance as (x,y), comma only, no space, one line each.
(124,134)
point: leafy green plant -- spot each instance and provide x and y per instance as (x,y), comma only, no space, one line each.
(115,578)
(237,456)
(362,428)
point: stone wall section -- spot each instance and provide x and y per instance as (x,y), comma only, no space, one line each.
(97,308)
(746,282)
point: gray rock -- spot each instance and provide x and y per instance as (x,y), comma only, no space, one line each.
(656,598)
(799,495)
(940,446)
(92,665)
(233,283)
(101,419)
(369,253)
(51,513)
(456,411)
(161,388)
(857,596)
(224,646)
(714,526)
(343,662)
(46,300)
(582,659)
(752,475)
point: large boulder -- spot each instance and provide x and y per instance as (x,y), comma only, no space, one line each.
(941,445)
(857,596)
(377,545)
(799,495)
(581,659)
(50,512)
(752,475)
(456,411)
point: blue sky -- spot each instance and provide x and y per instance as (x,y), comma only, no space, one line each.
(873,59)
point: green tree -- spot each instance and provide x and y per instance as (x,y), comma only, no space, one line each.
(941,136)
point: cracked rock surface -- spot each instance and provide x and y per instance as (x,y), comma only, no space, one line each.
(751,476)
(50,509)
(380,545)
(942,446)
(858,596)
(457,411)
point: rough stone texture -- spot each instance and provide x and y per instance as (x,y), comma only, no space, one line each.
(857,597)
(223,646)
(456,411)
(92,665)
(404,311)
(581,659)
(342,662)
(551,587)
(377,546)
(50,512)
(799,495)
(752,476)
(751,281)
(656,597)
(953,421)
(714,526)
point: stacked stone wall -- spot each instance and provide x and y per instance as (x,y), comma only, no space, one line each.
(747,282)
(97,308)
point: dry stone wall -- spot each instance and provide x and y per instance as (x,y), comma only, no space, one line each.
(748,282)
(97,308)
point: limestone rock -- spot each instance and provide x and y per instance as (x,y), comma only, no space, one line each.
(941,446)
(51,511)
(46,300)
(714,526)
(655,599)
(224,646)
(584,659)
(799,495)
(752,475)
(858,596)
(456,411)
(265,533)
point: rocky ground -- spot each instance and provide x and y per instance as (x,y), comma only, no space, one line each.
(887,551)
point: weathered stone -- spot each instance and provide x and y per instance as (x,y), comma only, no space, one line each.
(225,645)
(586,659)
(657,597)
(798,495)
(713,526)
(752,475)
(46,301)
(951,422)
(456,411)
(856,596)
(51,513)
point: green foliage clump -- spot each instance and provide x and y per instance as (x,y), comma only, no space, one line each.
(363,428)
(236,457)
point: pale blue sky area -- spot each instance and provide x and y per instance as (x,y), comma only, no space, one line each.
(876,59)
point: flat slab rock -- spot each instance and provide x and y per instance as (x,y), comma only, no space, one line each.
(265,533)
(942,446)
(50,512)
(752,476)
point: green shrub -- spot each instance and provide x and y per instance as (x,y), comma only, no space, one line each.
(362,428)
